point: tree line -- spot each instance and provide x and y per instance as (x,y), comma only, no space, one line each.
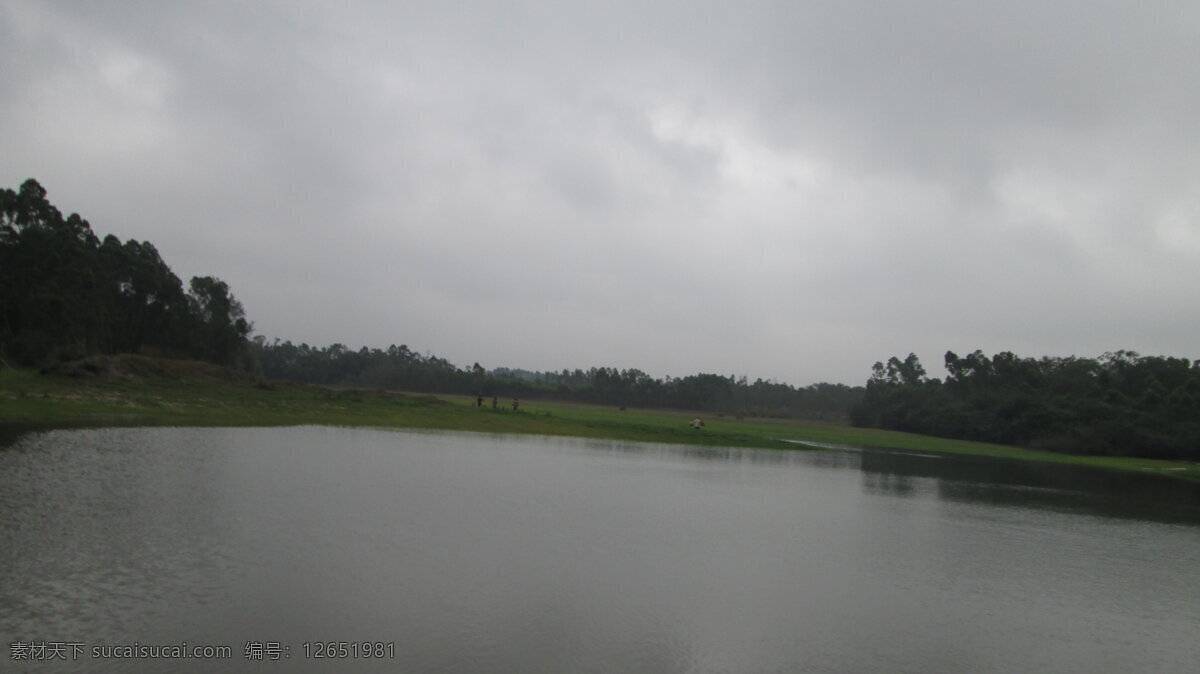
(64,293)
(399,367)
(1120,403)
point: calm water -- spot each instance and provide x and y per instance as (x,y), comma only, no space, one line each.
(498,554)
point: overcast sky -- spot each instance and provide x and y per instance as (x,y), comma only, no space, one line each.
(786,190)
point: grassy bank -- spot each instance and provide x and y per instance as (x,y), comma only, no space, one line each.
(143,392)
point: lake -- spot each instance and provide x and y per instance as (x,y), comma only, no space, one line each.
(454,552)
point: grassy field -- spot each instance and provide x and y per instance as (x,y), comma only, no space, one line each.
(146,393)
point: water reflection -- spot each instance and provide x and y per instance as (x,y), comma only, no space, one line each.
(1028,484)
(962,478)
(10,433)
(887,482)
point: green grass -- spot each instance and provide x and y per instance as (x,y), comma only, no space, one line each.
(28,399)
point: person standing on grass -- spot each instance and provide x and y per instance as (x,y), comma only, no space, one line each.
(494,402)
(516,404)
(479,400)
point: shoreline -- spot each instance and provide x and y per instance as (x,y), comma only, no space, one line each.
(43,402)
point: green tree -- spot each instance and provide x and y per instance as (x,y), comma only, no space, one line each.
(220,321)
(49,278)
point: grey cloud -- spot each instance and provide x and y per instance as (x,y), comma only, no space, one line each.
(788,190)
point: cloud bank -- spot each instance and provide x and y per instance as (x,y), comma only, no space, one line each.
(782,190)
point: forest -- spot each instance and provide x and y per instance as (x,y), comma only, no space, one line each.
(66,294)
(1119,404)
